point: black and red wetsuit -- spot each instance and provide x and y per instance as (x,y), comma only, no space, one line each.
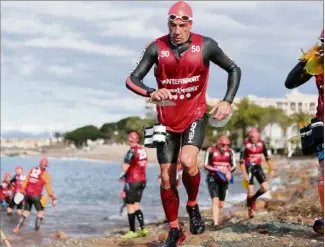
(184,70)
(252,156)
(136,177)
(210,52)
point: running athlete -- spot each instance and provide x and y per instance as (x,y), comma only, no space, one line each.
(220,162)
(6,190)
(299,76)
(134,165)
(17,182)
(183,60)
(36,179)
(251,167)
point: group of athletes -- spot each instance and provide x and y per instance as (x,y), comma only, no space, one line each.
(219,163)
(25,191)
(182,62)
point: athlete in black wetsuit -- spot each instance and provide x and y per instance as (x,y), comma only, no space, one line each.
(210,52)
(185,123)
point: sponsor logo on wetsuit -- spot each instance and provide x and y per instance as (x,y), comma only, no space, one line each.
(184,90)
(192,132)
(181,80)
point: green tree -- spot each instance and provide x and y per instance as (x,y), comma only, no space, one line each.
(80,136)
(108,130)
(301,118)
(246,114)
(269,116)
(57,135)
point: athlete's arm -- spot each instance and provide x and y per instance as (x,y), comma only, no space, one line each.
(24,185)
(134,82)
(207,160)
(212,52)
(13,180)
(127,160)
(232,160)
(267,157)
(297,76)
(47,180)
(242,162)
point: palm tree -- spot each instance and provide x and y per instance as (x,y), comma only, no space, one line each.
(57,135)
(246,114)
(301,118)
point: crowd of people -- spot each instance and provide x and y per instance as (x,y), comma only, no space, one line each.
(182,62)
(219,163)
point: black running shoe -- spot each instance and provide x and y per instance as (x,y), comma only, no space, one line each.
(197,225)
(175,237)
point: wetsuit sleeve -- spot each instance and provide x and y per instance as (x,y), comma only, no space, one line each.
(297,76)
(207,157)
(13,180)
(212,52)
(242,156)
(129,156)
(24,185)
(134,82)
(266,155)
(47,180)
(232,160)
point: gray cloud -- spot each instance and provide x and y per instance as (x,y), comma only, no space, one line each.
(64,59)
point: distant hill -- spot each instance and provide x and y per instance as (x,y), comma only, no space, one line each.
(21,134)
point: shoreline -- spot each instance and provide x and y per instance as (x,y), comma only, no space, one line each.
(279,221)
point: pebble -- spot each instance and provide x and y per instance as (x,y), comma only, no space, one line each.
(314,241)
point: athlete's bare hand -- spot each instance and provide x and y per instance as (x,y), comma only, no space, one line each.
(54,203)
(246,177)
(161,94)
(221,110)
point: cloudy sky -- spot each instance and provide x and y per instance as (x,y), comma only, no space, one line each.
(64,64)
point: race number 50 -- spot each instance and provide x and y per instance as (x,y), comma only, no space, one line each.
(164,53)
(195,48)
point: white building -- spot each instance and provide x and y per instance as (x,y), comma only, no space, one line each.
(293,102)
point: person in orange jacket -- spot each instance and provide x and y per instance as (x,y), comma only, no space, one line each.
(36,179)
